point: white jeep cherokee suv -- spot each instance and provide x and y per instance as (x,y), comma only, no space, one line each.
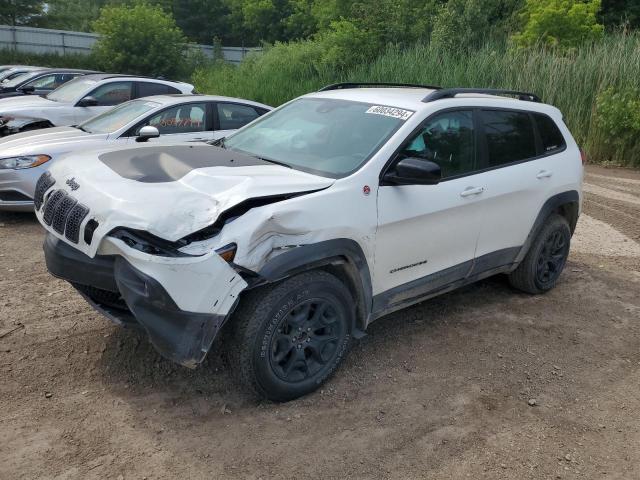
(305,226)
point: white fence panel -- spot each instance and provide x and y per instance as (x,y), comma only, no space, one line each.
(44,40)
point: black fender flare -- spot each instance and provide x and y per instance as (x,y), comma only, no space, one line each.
(339,251)
(566,200)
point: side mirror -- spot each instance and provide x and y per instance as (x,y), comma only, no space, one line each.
(28,89)
(414,171)
(146,133)
(88,102)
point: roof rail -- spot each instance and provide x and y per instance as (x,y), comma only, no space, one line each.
(452,92)
(345,85)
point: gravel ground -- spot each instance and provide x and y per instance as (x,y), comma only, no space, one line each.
(484,382)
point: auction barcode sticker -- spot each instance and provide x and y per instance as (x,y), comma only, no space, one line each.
(391,112)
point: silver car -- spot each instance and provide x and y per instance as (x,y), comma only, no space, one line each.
(163,118)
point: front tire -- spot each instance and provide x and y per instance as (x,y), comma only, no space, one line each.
(287,339)
(546,258)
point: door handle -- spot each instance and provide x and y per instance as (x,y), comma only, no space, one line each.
(472,191)
(544,174)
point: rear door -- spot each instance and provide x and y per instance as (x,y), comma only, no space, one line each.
(520,151)
(427,234)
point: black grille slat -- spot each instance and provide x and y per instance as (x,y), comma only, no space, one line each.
(74,220)
(51,204)
(45,182)
(62,212)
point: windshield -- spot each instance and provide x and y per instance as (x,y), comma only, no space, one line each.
(17,80)
(118,117)
(324,136)
(70,91)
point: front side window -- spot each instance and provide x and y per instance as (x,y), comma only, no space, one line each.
(46,82)
(447,139)
(232,116)
(510,136)
(550,135)
(111,94)
(118,117)
(188,118)
(328,137)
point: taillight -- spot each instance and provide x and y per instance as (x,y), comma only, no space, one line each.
(583,155)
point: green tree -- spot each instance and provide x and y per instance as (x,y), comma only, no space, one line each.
(140,39)
(560,23)
(20,12)
(77,15)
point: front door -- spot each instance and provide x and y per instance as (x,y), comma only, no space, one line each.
(427,234)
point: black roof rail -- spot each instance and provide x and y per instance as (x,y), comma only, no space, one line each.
(452,92)
(346,85)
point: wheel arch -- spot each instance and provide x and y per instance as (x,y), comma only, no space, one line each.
(566,204)
(341,257)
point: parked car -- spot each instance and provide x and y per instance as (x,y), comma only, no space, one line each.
(310,223)
(166,119)
(39,82)
(13,71)
(79,100)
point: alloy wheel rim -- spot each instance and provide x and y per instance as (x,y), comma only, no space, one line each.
(552,257)
(306,340)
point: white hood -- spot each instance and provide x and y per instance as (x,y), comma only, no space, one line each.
(170,191)
(49,141)
(25,105)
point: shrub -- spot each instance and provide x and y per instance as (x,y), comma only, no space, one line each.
(140,39)
(618,121)
(560,23)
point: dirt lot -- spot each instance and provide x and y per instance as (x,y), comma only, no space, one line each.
(439,391)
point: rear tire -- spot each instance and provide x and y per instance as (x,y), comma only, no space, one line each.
(546,258)
(287,339)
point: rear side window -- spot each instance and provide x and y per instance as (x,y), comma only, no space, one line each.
(550,135)
(232,116)
(147,89)
(510,136)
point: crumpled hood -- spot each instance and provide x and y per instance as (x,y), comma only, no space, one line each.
(170,191)
(46,141)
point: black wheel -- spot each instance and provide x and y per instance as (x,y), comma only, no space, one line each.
(287,339)
(543,264)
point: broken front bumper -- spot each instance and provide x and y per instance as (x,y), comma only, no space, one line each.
(129,296)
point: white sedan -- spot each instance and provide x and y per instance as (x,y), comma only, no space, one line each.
(163,118)
(79,100)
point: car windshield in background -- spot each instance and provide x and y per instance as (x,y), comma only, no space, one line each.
(323,136)
(118,117)
(17,80)
(70,91)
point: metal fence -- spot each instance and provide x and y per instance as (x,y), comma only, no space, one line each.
(62,42)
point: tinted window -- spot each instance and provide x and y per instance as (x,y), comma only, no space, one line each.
(510,136)
(550,134)
(233,116)
(112,93)
(146,89)
(191,117)
(448,140)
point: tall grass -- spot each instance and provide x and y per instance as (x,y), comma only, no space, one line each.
(571,81)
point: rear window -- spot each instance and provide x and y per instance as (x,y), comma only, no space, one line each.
(552,139)
(510,136)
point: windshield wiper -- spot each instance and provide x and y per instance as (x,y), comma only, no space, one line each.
(81,128)
(276,162)
(217,143)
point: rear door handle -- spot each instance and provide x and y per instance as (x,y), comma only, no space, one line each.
(544,174)
(472,191)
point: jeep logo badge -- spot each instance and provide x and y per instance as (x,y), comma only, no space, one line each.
(73,184)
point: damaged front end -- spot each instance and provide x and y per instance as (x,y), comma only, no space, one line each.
(10,125)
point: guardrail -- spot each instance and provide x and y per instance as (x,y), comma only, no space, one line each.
(62,42)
